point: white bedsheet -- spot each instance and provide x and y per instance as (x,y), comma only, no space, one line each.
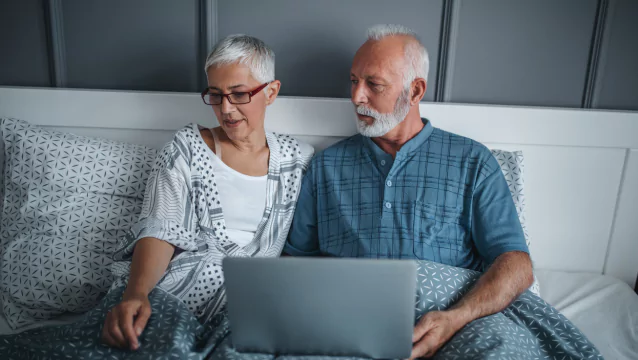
(602,307)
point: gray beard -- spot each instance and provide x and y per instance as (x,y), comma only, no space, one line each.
(383,122)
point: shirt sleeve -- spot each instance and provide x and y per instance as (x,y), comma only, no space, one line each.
(167,212)
(496,228)
(303,238)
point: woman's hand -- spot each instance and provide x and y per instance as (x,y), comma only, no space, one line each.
(126,321)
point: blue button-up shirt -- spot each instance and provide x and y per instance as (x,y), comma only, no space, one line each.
(443,198)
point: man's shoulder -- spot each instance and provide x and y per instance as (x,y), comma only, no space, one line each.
(458,144)
(348,146)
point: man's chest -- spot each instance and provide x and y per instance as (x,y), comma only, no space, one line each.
(412,209)
(364,185)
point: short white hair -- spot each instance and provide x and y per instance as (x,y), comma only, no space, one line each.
(416,54)
(245,50)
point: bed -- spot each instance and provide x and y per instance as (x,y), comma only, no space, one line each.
(604,308)
(581,175)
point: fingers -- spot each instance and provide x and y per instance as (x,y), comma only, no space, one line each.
(125,323)
(116,333)
(106,336)
(110,332)
(424,348)
(143,314)
(126,327)
(424,325)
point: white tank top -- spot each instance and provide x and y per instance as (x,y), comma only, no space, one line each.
(243,198)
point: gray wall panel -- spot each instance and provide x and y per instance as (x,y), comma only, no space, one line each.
(23,44)
(315,41)
(521,52)
(136,45)
(616,86)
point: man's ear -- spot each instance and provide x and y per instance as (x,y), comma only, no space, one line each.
(418,87)
(272,90)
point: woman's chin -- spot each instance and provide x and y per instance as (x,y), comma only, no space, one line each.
(236,132)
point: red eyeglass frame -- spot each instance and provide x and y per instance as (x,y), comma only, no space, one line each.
(227,96)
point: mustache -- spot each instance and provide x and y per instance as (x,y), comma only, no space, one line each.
(366,111)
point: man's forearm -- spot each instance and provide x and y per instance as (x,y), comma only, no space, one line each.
(510,275)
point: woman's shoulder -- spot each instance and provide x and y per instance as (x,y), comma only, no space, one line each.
(294,149)
(188,134)
(188,137)
(184,142)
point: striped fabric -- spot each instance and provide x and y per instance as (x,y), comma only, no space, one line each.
(182,207)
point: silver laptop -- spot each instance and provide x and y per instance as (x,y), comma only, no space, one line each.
(320,306)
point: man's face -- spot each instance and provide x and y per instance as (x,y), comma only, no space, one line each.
(378,93)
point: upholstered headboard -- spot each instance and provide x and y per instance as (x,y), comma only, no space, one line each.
(581,165)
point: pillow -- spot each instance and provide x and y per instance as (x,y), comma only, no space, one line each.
(67,200)
(511,163)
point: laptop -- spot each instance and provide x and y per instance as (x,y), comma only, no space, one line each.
(321,306)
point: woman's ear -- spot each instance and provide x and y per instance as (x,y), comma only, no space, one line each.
(272,90)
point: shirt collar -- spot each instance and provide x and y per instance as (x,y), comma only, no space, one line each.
(409,147)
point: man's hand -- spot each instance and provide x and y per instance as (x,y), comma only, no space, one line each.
(126,321)
(509,275)
(433,330)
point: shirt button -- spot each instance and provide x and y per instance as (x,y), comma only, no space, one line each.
(388,205)
(389,183)
(382,162)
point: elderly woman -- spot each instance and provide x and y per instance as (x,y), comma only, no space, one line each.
(211,194)
(225,191)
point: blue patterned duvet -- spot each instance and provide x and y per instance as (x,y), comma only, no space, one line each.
(527,329)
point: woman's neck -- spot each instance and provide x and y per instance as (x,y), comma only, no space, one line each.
(253,143)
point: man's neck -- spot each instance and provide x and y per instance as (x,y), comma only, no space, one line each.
(392,142)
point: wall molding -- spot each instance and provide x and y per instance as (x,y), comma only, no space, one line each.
(207,34)
(595,53)
(55,40)
(453,33)
(444,44)
(323,116)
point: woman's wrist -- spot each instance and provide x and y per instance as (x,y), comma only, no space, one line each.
(134,293)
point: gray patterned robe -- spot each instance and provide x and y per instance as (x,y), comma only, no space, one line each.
(182,207)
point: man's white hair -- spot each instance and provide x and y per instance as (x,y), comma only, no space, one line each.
(415,52)
(245,50)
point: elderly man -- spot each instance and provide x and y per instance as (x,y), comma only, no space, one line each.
(404,189)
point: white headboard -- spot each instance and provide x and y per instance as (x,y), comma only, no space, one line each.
(581,165)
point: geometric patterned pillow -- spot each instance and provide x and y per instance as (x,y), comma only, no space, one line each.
(66,201)
(513,168)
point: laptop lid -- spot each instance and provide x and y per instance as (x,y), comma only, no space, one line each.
(321,306)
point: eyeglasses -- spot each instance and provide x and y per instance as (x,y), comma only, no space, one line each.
(233,98)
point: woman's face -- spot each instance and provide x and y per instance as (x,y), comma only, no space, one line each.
(240,120)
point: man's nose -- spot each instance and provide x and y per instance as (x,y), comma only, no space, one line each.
(358,96)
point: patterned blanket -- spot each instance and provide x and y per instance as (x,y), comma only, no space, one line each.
(528,329)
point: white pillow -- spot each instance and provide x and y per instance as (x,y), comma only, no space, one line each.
(67,200)
(513,168)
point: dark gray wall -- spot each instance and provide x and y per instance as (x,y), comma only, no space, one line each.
(136,45)
(520,52)
(617,77)
(23,44)
(567,53)
(315,41)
